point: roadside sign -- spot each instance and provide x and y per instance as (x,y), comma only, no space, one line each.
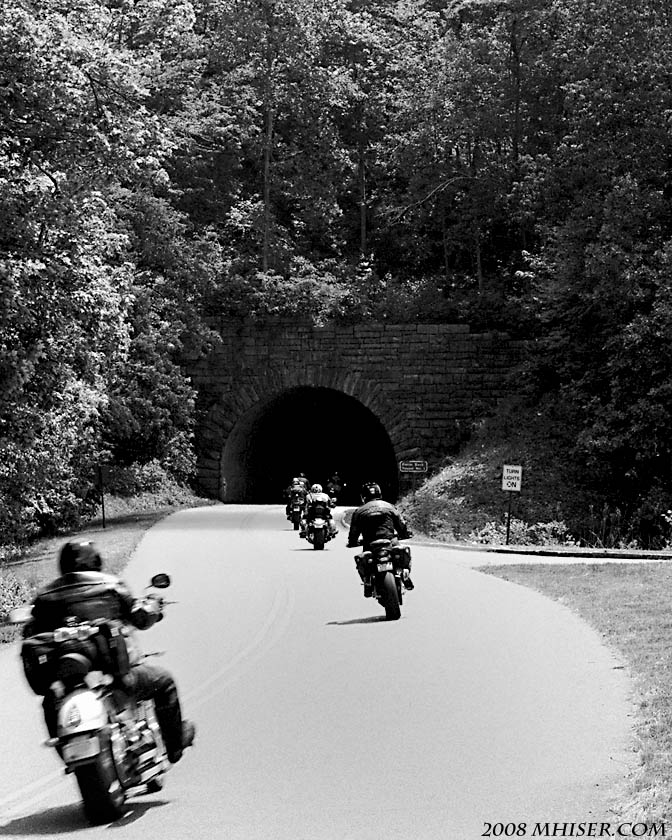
(512,477)
(512,480)
(413,466)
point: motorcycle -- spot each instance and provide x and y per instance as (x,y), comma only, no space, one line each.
(109,741)
(318,532)
(295,509)
(384,569)
(334,490)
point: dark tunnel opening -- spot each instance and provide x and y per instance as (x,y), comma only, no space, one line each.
(312,430)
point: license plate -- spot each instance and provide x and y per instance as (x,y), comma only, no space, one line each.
(385,567)
(81,747)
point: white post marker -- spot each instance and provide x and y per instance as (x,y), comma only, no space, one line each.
(512,481)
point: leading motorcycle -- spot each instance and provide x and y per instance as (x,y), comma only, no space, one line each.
(383,570)
(109,741)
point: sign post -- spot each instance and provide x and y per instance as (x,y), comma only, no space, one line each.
(415,468)
(102,470)
(512,480)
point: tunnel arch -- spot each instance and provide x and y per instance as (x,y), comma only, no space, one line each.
(311,429)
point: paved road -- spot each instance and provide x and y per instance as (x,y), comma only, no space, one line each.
(319,721)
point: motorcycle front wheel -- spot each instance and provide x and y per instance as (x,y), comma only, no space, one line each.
(102,794)
(318,540)
(389,597)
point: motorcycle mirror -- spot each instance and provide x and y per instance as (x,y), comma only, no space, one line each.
(20,615)
(161,581)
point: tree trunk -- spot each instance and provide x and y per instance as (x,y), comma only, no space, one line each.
(268,150)
(362,197)
(269,97)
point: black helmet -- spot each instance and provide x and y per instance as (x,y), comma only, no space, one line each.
(79,557)
(370,490)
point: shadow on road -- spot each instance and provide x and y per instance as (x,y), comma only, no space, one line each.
(370,619)
(61,820)
(69,818)
(136,810)
(308,547)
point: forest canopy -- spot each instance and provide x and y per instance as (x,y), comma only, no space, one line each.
(501,163)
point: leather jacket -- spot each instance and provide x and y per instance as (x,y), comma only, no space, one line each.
(296,492)
(376,520)
(86,596)
(318,504)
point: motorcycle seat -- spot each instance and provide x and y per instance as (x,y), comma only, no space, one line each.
(384,543)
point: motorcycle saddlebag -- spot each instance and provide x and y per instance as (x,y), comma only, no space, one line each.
(105,650)
(39,655)
(401,555)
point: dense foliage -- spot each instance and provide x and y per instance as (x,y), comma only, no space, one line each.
(504,163)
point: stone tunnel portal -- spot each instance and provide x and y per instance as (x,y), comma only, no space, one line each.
(313,430)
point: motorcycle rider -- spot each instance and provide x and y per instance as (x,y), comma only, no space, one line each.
(297,490)
(318,504)
(377,519)
(85,593)
(335,486)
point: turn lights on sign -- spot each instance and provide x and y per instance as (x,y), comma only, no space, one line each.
(512,477)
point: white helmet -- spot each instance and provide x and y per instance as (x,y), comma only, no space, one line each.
(316,488)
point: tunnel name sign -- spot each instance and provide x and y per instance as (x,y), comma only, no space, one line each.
(413,466)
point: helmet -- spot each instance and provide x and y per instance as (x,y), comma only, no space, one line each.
(79,557)
(316,488)
(370,490)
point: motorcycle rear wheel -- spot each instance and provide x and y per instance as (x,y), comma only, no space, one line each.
(102,794)
(389,597)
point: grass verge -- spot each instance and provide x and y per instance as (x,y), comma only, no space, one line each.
(126,522)
(628,604)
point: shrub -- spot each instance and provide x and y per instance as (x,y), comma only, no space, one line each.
(137,479)
(427,514)
(13,593)
(522,533)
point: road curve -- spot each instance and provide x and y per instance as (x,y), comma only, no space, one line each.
(317,720)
